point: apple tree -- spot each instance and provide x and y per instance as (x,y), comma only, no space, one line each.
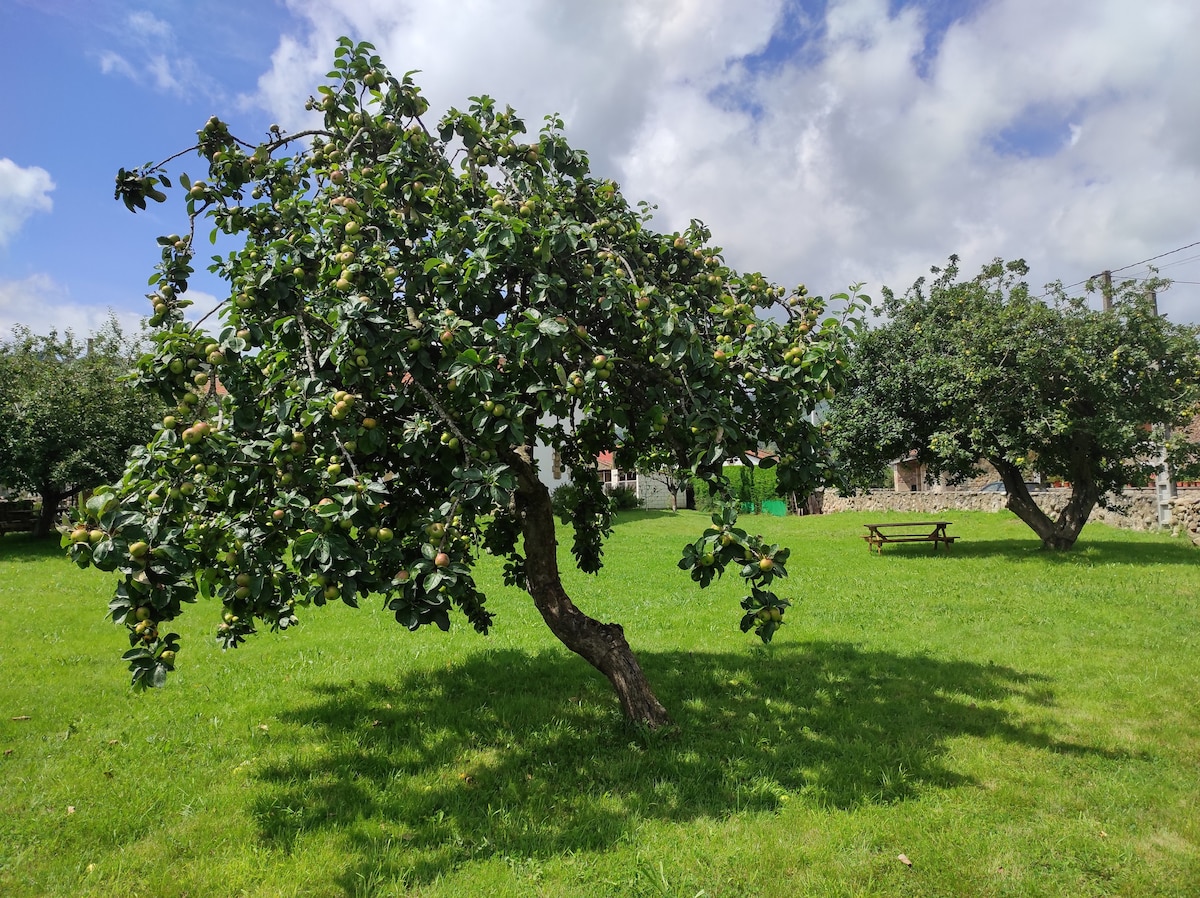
(67,415)
(979,368)
(412,310)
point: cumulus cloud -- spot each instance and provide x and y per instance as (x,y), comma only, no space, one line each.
(23,191)
(864,143)
(44,305)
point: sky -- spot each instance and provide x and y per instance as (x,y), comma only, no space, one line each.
(829,142)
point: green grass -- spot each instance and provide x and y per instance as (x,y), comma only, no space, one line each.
(1016,723)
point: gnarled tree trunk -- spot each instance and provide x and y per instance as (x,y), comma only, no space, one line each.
(601,645)
(1056,535)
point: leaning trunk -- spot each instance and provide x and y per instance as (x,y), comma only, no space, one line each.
(601,645)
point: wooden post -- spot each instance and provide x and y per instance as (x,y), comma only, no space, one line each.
(1106,289)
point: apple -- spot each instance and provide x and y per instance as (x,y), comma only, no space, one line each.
(766,564)
(441,560)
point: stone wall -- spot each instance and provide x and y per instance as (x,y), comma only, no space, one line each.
(1137,509)
(1185,515)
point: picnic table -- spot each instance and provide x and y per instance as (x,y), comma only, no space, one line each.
(18,516)
(908,532)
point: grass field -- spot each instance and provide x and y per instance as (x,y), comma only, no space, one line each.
(1014,723)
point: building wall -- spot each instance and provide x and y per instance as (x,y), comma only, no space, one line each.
(909,476)
(653,492)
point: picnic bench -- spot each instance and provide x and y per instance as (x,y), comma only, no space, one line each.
(908,532)
(18,516)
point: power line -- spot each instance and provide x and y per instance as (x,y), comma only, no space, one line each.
(1179,262)
(1172,252)
(1152,258)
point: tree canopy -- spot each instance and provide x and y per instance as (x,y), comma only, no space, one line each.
(67,415)
(980,369)
(413,310)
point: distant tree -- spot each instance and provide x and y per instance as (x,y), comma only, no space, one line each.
(67,416)
(975,369)
(413,310)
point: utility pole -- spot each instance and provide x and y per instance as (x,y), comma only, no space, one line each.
(1106,289)
(1165,487)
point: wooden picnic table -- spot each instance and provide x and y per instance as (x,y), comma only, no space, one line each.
(18,516)
(908,532)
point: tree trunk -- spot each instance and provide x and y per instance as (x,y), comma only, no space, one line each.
(1056,535)
(49,515)
(601,645)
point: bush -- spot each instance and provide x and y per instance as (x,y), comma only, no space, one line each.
(564,500)
(623,499)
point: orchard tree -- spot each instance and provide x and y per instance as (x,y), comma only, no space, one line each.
(412,310)
(975,369)
(67,415)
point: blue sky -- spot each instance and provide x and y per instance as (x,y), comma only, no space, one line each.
(824,141)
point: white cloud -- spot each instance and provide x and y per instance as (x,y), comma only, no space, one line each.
(23,191)
(162,63)
(1062,133)
(43,305)
(148,27)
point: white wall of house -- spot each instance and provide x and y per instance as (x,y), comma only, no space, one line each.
(653,492)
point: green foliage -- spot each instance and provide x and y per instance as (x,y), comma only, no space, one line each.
(565,499)
(624,498)
(413,309)
(760,564)
(980,369)
(749,485)
(68,415)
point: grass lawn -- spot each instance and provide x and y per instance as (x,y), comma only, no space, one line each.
(1015,723)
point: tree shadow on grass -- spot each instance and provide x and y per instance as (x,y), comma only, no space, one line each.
(1085,552)
(18,547)
(524,756)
